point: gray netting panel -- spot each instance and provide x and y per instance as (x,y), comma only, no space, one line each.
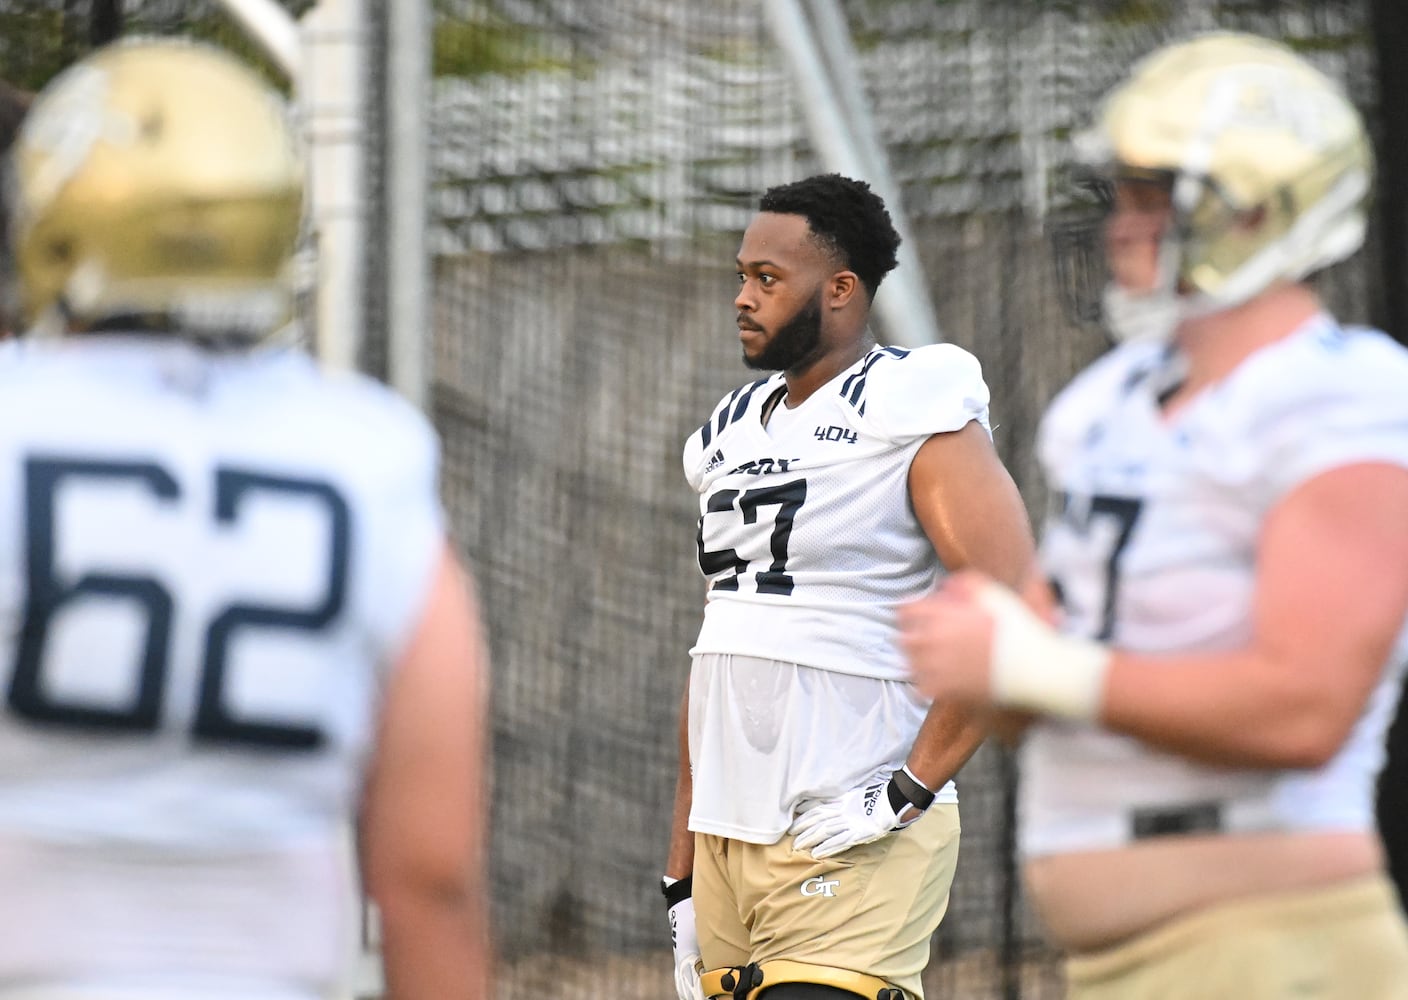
(594,165)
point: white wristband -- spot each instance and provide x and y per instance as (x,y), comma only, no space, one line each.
(1036,668)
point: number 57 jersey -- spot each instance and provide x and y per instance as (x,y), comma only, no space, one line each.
(806,533)
(207,564)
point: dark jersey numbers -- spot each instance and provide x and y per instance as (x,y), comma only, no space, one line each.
(785,499)
(1120,512)
(834,433)
(153,600)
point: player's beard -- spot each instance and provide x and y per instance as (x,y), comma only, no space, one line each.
(797,343)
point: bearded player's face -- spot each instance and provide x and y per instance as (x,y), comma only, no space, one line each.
(793,345)
(779,302)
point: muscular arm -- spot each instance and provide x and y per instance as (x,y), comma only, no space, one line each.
(680,860)
(423,822)
(974,517)
(1331,597)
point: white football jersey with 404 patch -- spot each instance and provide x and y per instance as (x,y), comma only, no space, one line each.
(207,565)
(809,543)
(1151,545)
(807,537)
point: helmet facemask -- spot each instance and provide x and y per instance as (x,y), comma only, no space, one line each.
(1152,313)
(1267,165)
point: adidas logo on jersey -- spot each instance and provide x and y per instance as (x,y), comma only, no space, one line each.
(715,460)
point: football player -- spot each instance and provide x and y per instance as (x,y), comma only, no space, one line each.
(1228,548)
(232,623)
(816,821)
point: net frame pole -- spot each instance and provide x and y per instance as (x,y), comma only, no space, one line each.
(838,49)
(272,28)
(407,186)
(842,131)
(325,57)
(332,88)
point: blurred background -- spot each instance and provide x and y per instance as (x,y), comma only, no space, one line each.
(572,178)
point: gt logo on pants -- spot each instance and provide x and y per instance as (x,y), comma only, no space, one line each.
(819,886)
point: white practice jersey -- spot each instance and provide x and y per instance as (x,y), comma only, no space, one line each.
(809,544)
(206,565)
(1151,544)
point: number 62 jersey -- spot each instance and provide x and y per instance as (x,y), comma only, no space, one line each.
(806,534)
(207,566)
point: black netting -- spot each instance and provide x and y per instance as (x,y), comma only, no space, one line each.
(594,164)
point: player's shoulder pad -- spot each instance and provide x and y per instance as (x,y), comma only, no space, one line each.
(394,437)
(1328,377)
(416,434)
(30,369)
(13,355)
(16,379)
(907,394)
(1328,397)
(729,410)
(1089,395)
(18,352)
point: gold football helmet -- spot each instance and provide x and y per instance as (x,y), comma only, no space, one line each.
(157,183)
(1268,164)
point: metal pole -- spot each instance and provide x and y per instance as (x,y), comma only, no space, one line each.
(838,52)
(408,79)
(327,67)
(902,303)
(333,83)
(272,28)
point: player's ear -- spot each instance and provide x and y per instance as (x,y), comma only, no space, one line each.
(843,286)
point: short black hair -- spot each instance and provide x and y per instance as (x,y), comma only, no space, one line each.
(848,219)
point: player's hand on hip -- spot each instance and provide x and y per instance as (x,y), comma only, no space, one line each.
(948,638)
(685,939)
(827,827)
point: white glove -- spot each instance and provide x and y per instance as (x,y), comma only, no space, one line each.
(685,939)
(830,826)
